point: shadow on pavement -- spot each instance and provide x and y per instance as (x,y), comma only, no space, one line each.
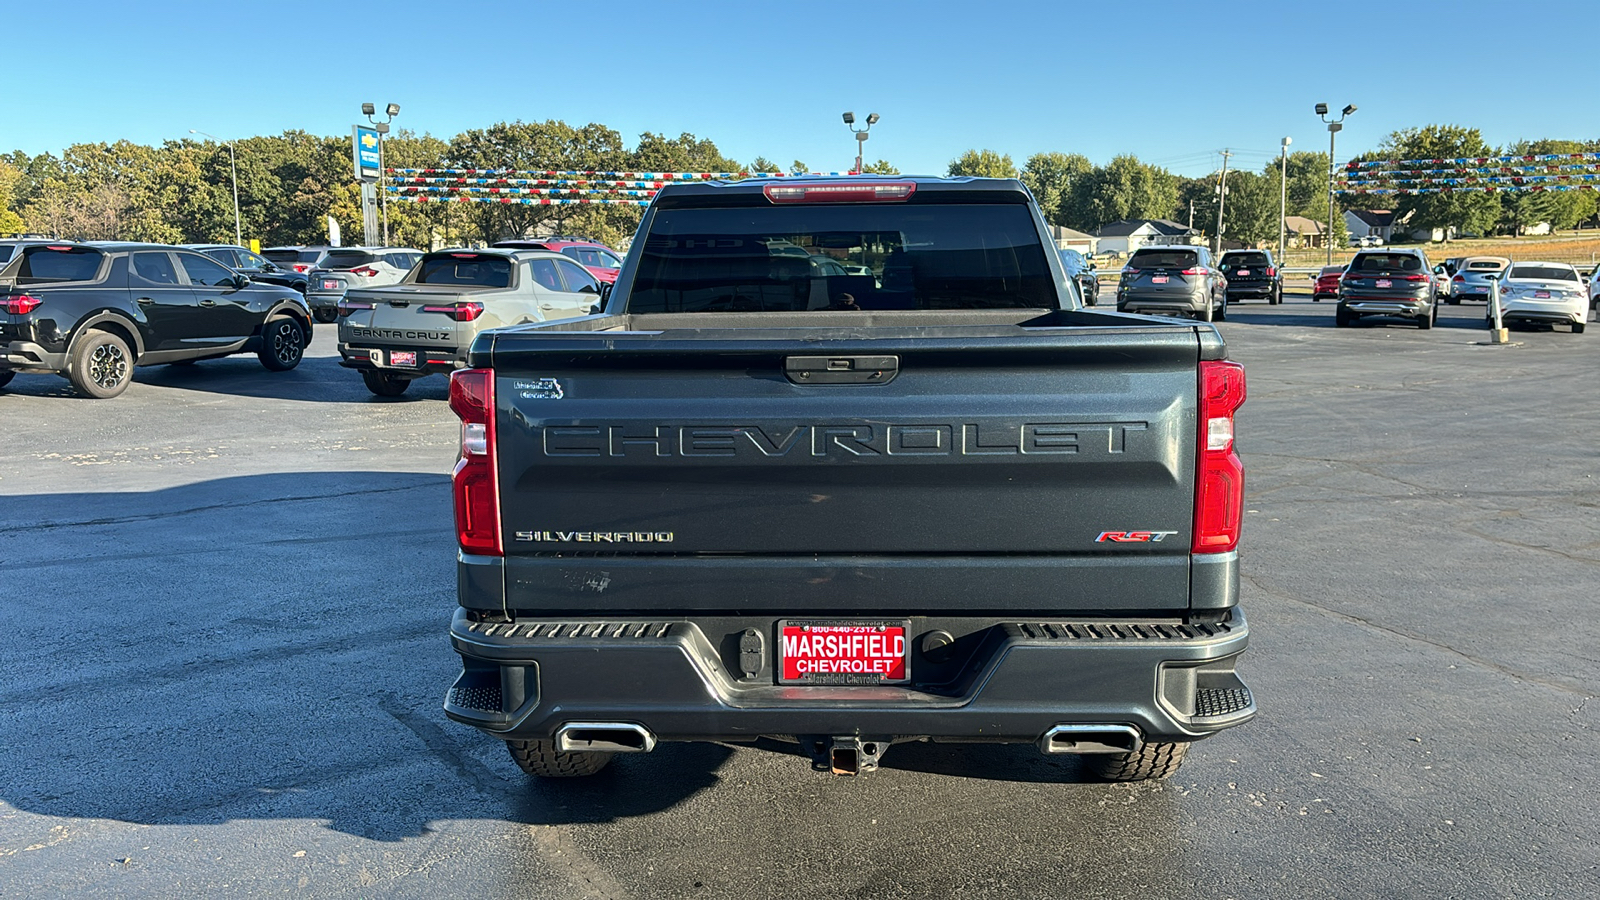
(263,647)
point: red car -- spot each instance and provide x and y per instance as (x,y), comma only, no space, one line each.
(1328,283)
(601,261)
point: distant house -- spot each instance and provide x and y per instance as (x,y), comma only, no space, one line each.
(1303,232)
(1073,239)
(1362,223)
(1130,234)
(1388,226)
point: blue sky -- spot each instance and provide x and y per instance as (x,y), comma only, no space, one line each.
(1170,82)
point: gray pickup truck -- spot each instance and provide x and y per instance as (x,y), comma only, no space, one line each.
(939,501)
(423,325)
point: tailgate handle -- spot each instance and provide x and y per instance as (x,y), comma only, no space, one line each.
(400,304)
(841,369)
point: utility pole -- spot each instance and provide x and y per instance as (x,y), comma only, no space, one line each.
(1222,197)
(1283,197)
(1191,213)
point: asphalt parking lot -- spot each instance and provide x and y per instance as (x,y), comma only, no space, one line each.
(226,595)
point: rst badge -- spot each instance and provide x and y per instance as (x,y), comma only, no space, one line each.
(1133,537)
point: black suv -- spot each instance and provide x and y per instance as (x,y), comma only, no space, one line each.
(258,267)
(1388,282)
(1252,273)
(94,311)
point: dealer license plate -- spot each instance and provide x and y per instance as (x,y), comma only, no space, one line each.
(328,284)
(1541,295)
(1384,282)
(402,357)
(1158,279)
(1242,272)
(842,652)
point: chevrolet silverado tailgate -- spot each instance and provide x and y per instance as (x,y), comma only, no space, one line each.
(883,469)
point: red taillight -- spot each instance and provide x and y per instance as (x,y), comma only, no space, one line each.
(301,267)
(461,312)
(1129,273)
(20,305)
(475,480)
(855,192)
(1219,480)
(346,307)
(1194,271)
(1459,278)
(364,271)
(1272,272)
(1416,277)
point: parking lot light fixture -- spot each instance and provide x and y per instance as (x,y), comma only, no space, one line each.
(860,134)
(1283,196)
(1334,125)
(370,110)
(233,168)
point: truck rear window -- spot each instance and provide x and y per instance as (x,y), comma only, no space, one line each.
(470,269)
(348,259)
(41,265)
(790,258)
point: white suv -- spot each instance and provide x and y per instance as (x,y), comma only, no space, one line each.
(343,268)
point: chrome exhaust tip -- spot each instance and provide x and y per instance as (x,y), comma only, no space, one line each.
(1091,739)
(604,737)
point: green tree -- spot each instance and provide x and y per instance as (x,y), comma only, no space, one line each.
(881,167)
(10,218)
(1467,211)
(983,164)
(1250,215)
(798,168)
(1124,188)
(762,164)
(1050,177)
(1562,209)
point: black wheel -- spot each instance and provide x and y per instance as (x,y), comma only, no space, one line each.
(1315,299)
(1342,318)
(325,316)
(5,378)
(1151,762)
(1424,322)
(1222,312)
(1577,328)
(283,343)
(1453,301)
(383,384)
(541,758)
(101,365)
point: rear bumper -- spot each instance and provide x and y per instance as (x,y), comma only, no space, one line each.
(527,679)
(1135,301)
(323,301)
(26,356)
(1385,306)
(1558,316)
(431,362)
(1251,289)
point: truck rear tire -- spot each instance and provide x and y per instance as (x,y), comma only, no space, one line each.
(384,385)
(325,316)
(1150,762)
(541,758)
(101,365)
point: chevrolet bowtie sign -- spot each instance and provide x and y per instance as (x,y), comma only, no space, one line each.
(364,152)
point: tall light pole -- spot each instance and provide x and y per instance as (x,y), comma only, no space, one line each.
(392,110)
(1283,196)
(1334,126)
(233,167)
(861,134)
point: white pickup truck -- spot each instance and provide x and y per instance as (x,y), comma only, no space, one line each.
(425,324)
